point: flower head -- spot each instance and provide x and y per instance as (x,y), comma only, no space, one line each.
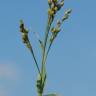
(24,32)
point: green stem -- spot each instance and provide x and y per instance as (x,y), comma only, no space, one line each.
(49,49)
(32,52)
(43,70)
(39,94)
(45,62)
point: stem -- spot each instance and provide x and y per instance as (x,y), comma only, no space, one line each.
(45,61)
(49,49)
(45,41)
(39,94)
(32,52)
(35,61)
(43,74)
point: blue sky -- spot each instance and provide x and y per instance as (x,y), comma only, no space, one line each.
(71,64)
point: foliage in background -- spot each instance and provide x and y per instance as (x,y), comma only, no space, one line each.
(54,7)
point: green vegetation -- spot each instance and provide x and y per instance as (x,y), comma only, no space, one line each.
(54,7)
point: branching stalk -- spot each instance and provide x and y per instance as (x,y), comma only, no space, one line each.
(43,70)
(32,52)
(54,7)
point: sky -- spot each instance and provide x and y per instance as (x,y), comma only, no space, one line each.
(71,64)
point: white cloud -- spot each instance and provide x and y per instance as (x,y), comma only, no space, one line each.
(9,77)
(8,71)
